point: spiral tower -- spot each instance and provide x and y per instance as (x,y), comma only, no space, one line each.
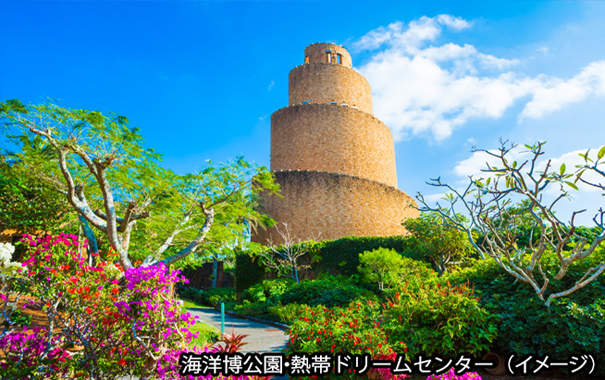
(334,161)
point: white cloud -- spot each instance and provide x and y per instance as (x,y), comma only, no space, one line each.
(455,23)
(556,93)
(270,85)
(422,89)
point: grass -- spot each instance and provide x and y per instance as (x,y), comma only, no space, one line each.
(187,304)
(207,333)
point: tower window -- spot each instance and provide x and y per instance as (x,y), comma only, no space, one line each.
(339,59)
(307,58)
(329,58)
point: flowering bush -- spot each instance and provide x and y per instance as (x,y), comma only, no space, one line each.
(6,252)
(439,319)
(104,323)
(8,275)
(355,329)
(26,355)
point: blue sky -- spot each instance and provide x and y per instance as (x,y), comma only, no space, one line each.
(201,78)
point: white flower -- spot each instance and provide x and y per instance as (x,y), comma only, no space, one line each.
(6,252)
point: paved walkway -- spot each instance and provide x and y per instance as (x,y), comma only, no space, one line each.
(261,337)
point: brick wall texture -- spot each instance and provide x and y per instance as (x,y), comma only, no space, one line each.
(325,83)
(331,205)
(335,163)
(318,53)
(332,138)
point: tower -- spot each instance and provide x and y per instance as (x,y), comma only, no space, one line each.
(334,160)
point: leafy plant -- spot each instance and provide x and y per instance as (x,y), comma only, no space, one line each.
(354,329)
(267,289)
(231,342)
(327,292)
(441,319)
(526,327)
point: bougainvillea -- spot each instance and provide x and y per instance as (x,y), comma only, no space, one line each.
(105,323)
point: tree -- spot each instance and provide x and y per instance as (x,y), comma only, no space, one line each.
(438,242)
(285,258)
(118,188)
(488,201)
(26,204)
(382,266)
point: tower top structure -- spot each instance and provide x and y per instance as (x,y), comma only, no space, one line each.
(325,52)
(334,161)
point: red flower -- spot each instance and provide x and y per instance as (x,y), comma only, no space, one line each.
(122,362)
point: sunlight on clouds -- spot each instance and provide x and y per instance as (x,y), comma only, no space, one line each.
(556,93)
(431,90)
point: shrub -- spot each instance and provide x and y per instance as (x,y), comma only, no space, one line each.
(354,329)
(387,268)
(285,314)
(341,256)
(214,296)
(121,329)
(328,292)
(247,272)
(441,319)
(574,325)
(382,266)
(191,293)
(267,289)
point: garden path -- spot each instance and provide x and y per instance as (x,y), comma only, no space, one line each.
(261,337)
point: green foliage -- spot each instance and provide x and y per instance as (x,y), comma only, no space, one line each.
(215,296)
(208,297)
(328,292)
(285,314)
(438,242)
(341,256)
(27,204)
(267,289)
(574,324)
(441,319)
(382,266)
(354,329)
(247,272)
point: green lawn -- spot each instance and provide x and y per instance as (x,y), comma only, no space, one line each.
(208,334)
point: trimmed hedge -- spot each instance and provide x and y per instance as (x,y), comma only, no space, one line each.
(342,256)
(338,257)
(247,272)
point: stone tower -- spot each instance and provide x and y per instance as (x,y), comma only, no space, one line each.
(334,160)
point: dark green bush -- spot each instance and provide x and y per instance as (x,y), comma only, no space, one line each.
(267,289)
(328,292)
(212,297)
(575,323)
(247,272)
(342,256)
(208,297)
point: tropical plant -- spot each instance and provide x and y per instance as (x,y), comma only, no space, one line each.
(488,203)
(100,166)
